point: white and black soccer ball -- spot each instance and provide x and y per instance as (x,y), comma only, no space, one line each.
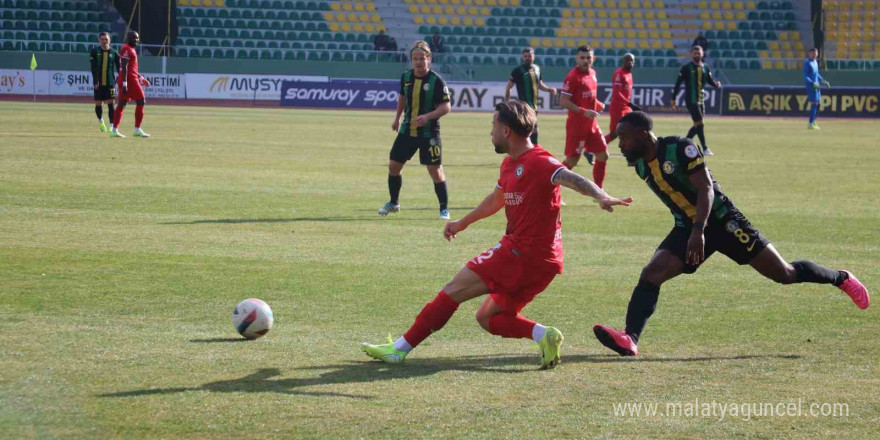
(252,318)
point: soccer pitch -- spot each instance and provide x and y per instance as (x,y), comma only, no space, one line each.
(121,261)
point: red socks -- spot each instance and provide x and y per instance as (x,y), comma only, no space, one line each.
(117,118)
(138,116)
(511,326)
(432,318)
(599,173)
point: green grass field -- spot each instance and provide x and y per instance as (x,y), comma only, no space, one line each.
(121,261)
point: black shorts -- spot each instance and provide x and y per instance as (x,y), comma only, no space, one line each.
(696,111)
(534,135)
(734,236)
(105,93)
(405,146)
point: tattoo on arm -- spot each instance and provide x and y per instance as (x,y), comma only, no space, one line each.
(578,183)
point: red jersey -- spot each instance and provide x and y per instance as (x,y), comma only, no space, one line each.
(129,53)
(621,89)
(581,87)
(534,227)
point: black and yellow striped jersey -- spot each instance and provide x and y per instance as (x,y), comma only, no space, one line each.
(668,176)
(422,95)
(105,65)
(695,78)
(527,79)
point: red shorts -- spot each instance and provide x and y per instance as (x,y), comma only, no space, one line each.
(616,114)
(512,281)
(578,141)
(135,92)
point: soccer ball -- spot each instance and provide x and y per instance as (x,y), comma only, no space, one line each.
(252,318)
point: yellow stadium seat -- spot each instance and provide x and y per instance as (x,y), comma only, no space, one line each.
(437,9)
(449,10)
(566,13)
(444,2)
(358,27)
(644,44)
(347,6)
(571,44)
(443,20)
(514,2)
(667,35)
(741,15)
(659,5)
(619,34)
(638,15)
(468,21)
(369,27)
(705,15)
(359,7)
(608,34)
(345,27)
(653,25)
(655,35)
(618,44)
(575,4)
(726,6)
(334,27)
(773,45)
(578,13)
(738,6)
(613,24)
(763,54)
(783,36)
(728,15)
(479,21)
(480,2)
(626,15)
(431,19)
(613,14)
(492,3)
(371,7)
(715,5)
(630,33)
(606,44)
(703,5)
(751,6)
(602,13)
(183,3)
(195,2)
(668,45)
(328,16)
(643,35)
(707,25)
(656,44)
(485,11)
(363,17)
(661,15)
(535,42)
(455,20)
(473,10)
(425,9)
(766,64)
(731,26)
(502,3)
(649,15)
(352,17)
(647,4)
(413,9)
(778,65)
(546,42)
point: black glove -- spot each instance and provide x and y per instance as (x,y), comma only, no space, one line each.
(634,107)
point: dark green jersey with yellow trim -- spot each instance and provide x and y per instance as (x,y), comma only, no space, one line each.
(422,95)
(668,175)
(105,65)
(695,78)
(527,80)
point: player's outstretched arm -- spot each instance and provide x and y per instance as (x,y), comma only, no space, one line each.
(586,187)
(489,206)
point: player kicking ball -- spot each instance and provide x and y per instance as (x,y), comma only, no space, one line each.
(528,257)
(705,221)
(131,85)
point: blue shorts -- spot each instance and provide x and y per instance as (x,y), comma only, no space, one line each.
(813,95)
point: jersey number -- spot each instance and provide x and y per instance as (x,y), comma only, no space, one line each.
(435,152)
(744,238)
(485,256)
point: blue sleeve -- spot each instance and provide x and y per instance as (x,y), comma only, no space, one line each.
(807,72)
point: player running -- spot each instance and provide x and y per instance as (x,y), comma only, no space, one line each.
(105,63)
(706,221)
(582,132)
(814,82)
(527,78)
(423,100)
(621,95)
(695,75)
(529,255)
(130,84)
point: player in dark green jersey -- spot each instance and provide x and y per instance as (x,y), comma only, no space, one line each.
(706,221)
(695,76)
(105,64)
(527,78)
(424,98)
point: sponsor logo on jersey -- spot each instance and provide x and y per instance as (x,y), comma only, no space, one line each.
(731,226)
(513,198)
(691,151)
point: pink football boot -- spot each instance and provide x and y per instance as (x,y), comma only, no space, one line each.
(856,290)
(615,340)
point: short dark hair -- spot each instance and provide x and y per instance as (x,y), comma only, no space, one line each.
(696,46)
(816,49)
(518,116)
(585,48)
(102,34)
(639,120)
(528,49)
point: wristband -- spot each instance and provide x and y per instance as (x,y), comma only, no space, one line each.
(700,225)
(125,84)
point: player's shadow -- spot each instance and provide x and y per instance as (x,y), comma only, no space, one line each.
(235,221)
(216,340)
(267,381)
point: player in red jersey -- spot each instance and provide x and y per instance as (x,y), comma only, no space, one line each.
(129,83)
(582,132)
(529,255)
(621,94)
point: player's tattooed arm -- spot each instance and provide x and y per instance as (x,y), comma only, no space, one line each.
(586,187)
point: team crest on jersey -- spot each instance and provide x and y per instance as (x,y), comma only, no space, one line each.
(434,142)
(731,226)
(426,87)
(518,171)
(668,167)
(691,151)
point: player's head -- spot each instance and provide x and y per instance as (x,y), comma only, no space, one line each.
(132,38)
(528,56)
(697,53)
(813,54)
(420,54)
(584,58)
(634,135)
(104,40)
(513,120)
(628,61)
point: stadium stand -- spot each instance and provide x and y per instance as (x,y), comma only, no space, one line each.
(852,33)
(279,30)
(50,26)
(743,34)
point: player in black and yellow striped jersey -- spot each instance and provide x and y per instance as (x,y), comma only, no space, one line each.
(105,64)
(527,78)
(706,221)
(424,98)
(695,76)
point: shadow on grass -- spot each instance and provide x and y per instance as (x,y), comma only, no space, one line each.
(215,340)
(233,221)
(266,381)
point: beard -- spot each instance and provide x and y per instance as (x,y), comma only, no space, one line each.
(527,63)
(697,59)
(500,149)
(631,157)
